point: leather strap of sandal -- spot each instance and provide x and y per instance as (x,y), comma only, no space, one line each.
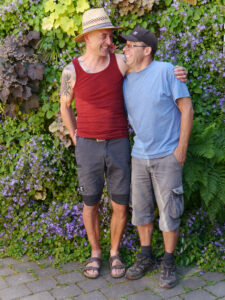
(120,266)
(92,259)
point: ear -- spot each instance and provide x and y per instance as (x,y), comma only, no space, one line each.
(148,51)
(86,38)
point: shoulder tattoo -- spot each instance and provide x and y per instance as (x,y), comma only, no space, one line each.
(66,85)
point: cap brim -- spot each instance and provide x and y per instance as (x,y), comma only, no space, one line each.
(128,37)
(80,37)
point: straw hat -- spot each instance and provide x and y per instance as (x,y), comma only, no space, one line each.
(94,19)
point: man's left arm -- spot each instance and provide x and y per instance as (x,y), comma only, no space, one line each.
(186,109)
(180,73)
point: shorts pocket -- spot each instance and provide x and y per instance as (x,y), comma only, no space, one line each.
(176,205)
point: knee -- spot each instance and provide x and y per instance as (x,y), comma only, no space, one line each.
(90,210)
(121,211)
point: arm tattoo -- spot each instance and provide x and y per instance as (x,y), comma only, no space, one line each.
(66,86)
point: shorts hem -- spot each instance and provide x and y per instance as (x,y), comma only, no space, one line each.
(169,229)
(145,221)
(91,200)
(121,199)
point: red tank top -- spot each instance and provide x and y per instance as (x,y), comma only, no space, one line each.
(99,102)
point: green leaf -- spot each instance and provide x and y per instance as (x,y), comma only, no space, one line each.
(82,5)
(50,6)
(168,2)
(68,25)
(197,90)
(50,114)
(47,23)
(196,16)
(61,43)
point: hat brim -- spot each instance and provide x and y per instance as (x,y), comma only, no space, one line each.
(128,37)
(80,37)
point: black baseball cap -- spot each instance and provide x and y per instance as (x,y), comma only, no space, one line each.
(140,34)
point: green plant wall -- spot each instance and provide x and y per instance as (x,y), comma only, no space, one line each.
(40,203)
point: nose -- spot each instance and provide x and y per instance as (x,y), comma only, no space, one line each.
(109,40)
(125,48)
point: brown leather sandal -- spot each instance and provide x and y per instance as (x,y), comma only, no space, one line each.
(87,268)
(117,267)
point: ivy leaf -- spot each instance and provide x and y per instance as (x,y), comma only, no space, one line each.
(82,5)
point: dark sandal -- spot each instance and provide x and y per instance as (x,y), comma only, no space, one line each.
(87,268)
(116,267)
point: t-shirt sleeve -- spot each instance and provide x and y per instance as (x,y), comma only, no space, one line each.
(178,88)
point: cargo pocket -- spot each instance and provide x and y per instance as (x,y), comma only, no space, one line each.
(176,207)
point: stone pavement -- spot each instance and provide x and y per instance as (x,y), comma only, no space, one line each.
(27,280)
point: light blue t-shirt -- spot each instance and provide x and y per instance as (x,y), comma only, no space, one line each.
(150,101)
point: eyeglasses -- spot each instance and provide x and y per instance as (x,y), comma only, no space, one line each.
(134,46)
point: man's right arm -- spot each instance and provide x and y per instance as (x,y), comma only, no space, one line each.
(67,85)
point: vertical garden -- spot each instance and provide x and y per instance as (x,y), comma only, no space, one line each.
(40,203)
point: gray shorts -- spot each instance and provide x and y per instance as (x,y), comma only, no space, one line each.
(157,179)
(97,161)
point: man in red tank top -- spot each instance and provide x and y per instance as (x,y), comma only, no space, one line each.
(100,133)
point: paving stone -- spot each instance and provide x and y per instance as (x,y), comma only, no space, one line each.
(143,283)
(213,276)
(118,290)
(19,278)
(42,285)
(198,295)
(14,292)
(167,293)
(91,285)
(46,272)
(217,289)
(2,284)
(22,267)
(8,261)
(154,276)
(40,296)
(93,295)
(70,277)
(5,271)
(66,291)
(112,280)
(187,271)
(192,282)
(72,266)
(143,296)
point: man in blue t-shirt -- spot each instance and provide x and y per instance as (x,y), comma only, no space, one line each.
(160,111)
